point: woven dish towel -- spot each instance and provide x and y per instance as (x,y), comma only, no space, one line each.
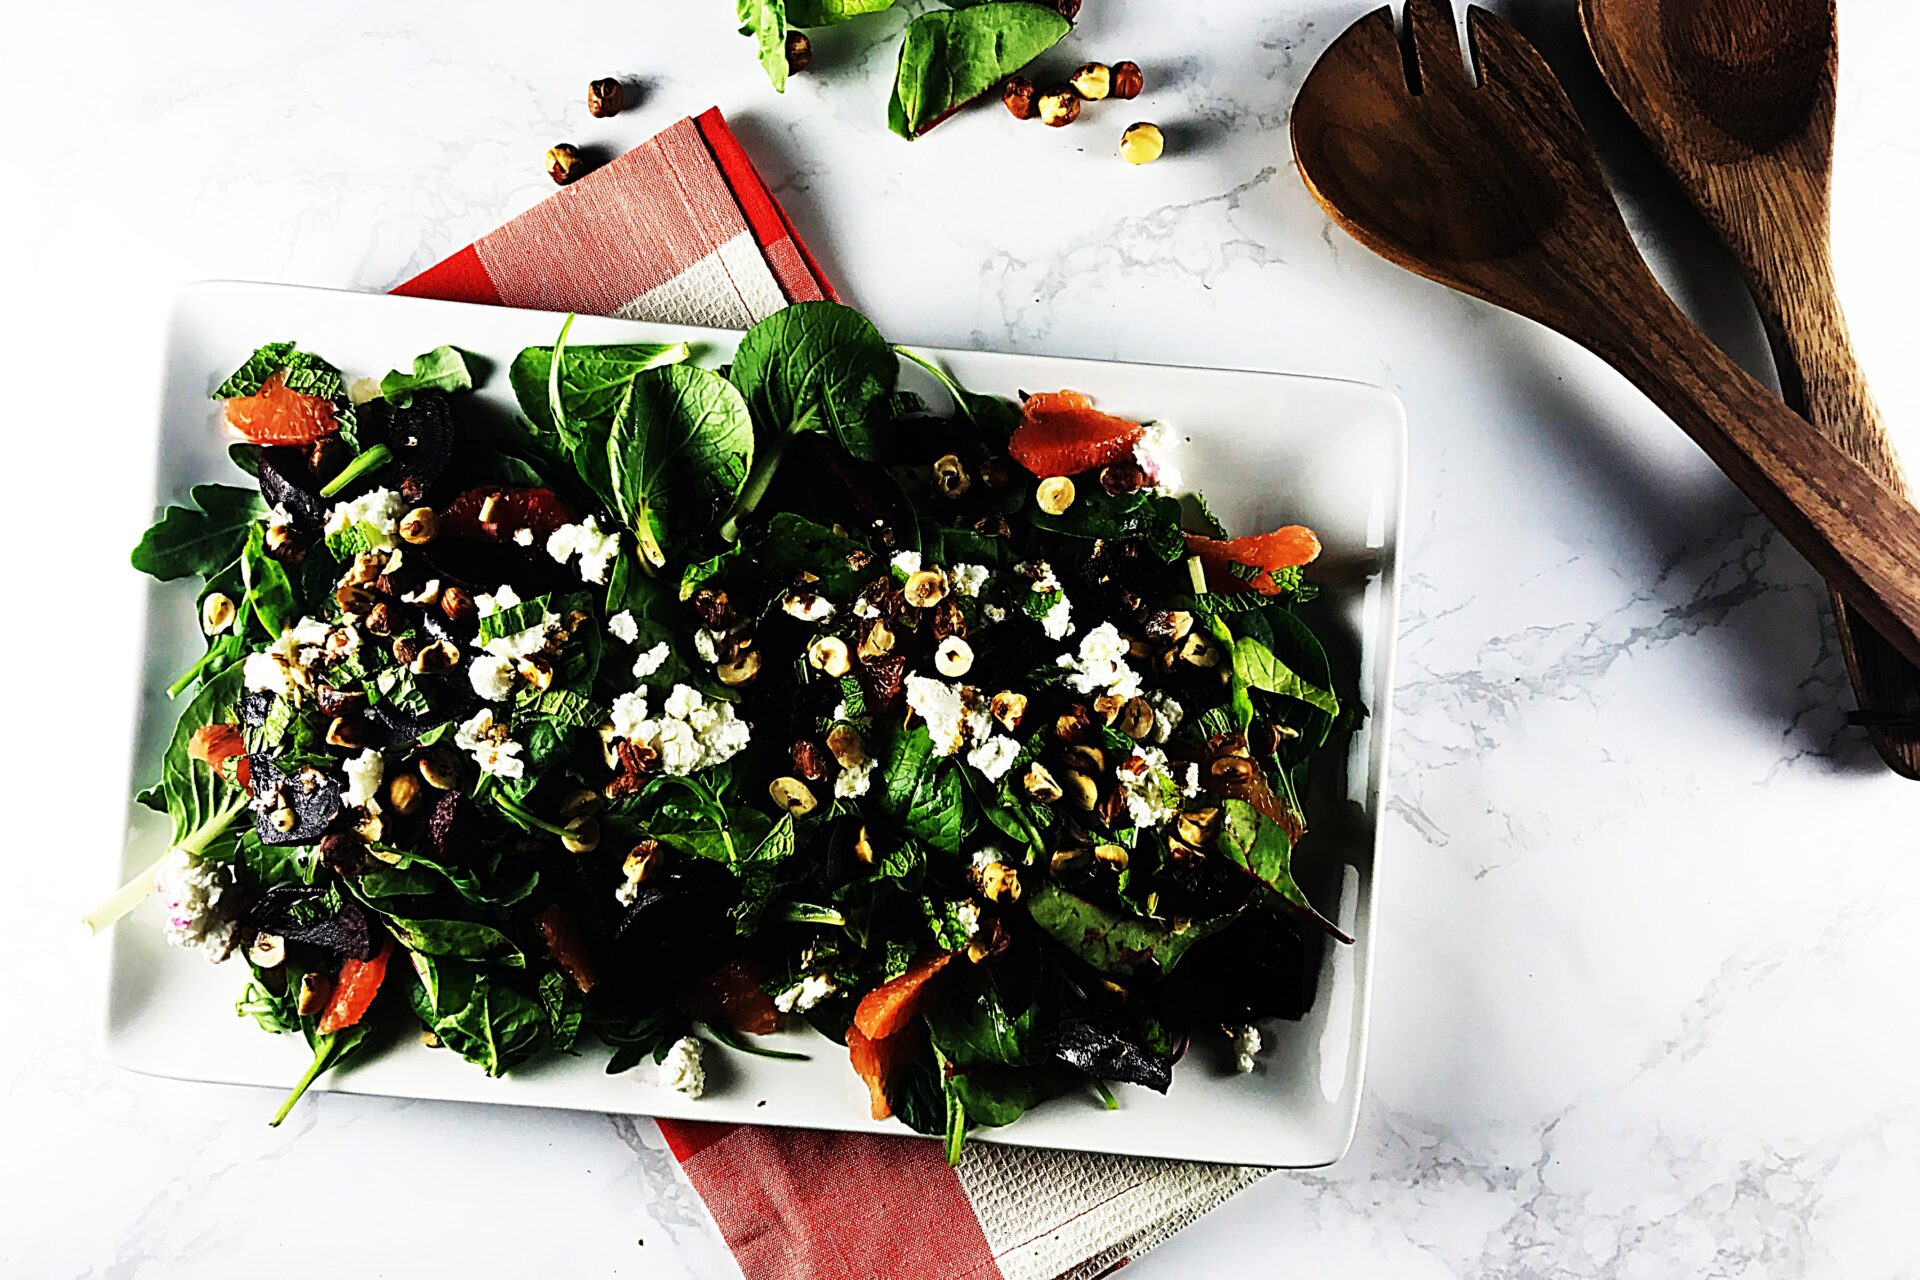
(681,229)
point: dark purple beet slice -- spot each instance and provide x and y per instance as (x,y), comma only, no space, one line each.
(450,828)
(287,483)
(1109,1053)
(298,913)
(313,796)
(421,438)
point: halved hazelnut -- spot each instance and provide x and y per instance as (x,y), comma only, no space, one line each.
(217,612)
(829,654)
(950,476)
(925,589)
(267,950)
(1054,494)
(792,795)
(1136,719)
(1069,859)
(1114,855)
(876,641)
(739,670)
(1009,708)
(954,657)
(1040,784)
(315,990)
(1085,757)
(846,746)
(1080,789)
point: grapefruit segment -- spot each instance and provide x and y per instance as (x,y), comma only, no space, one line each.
(892,1005)
(1062,434)
(879,1063)
(731,995)
(1262,553)
(275,415)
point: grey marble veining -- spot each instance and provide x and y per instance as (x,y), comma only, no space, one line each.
(1650,913)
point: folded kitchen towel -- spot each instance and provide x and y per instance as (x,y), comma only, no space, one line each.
(681,229)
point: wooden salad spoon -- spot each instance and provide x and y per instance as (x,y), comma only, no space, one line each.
(1737,99)
(1492,188)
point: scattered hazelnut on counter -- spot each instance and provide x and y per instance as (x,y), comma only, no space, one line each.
(564,163)
(605,97)
(1142,143)
(1068,9)
(1092,80)
(1127,81)
(799,52)
(1018,96)
(1059,106)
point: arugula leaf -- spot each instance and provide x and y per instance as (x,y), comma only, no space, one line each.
(441,369)
(1116,945)
(592,379)
(951,57)
(678,455)
(1259,846)
(200,540)
(479,1017)
(924,791)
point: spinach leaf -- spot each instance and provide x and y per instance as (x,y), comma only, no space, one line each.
(565,1008)
(203,805)
(479,1017)
(441,369)
(454,940)
(1255,664)
(825,13)
(515,618)
(1154,519)
(951,57)
(269,591)
(329,1051)
(703,834)
(678,454)
(202,539)
(1116,945)
(972,1028)
(766,21)
(592,379)
(1259,846)
(924,792)
(993,1096)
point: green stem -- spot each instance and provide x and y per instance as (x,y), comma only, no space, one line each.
(1106,1094)
(554,405)
(124,899)
(515,809)
(940,376)
(807,913)
(192,673)
(323,1049)
(758,481)
(733,1040)
(196,841)
(369,460)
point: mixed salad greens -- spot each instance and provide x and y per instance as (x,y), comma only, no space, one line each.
(693,701)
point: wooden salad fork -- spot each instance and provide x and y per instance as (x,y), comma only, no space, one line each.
(1492,188)
(1737,99)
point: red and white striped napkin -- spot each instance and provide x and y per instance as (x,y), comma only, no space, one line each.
(681,229)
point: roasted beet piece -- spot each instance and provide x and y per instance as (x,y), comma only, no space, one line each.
(421,438)
(675,929)
(286,481)
(313,798)
(299,913)
(450,827)
(1109,1052)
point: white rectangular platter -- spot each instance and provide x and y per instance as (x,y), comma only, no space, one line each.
(1267,449)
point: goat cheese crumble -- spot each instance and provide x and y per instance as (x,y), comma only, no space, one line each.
(690,733)
(651,661)
(376,513)
(193,889)
(595,547)
(805,994)
(1167,715)
(492,676)
(855,779)
(953,712)
(967,579)
(623,628)
(365,772)
(1149,788)
(1153,451)
(1101,665)
(490,745)
(1057,622)
(684,1068)
(906,562)
(994,756)
(1246,1043)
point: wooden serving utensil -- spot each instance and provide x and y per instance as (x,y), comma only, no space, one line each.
(1493,189)
(1737,99)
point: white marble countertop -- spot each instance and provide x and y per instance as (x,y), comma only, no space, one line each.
(1651,913)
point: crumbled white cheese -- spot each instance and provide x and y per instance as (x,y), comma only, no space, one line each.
(520,644)
(683,1068)
(1167,715)
(1148,787)
(968,914)
(376,513)
(906,562)
(365,772)
(282,666)
(706,644)
(855,779)
(492,676)
(1153,451)
(523,536)
(808,607)
(266,672)
(864,608)
(994,756)
(623,628)
(194,890)
(1057,622)
(993,613)
(1101,666)
(967,579)
(1039,574)
(491,747)
(805,994)
(954,713)
(1246,1043)
(426,592)
(651,661)
(690,733)
(595,547)
(485,605)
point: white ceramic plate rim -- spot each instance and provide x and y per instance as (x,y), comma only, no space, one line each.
(167,1011)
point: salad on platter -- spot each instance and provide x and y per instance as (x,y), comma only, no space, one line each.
(690,703)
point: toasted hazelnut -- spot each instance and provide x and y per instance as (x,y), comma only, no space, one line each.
(1085,757)
(284,820)
(1182,853)
(370,827)
(925,589)
(605,97)
(739,670)
(999,882)
(1126,81)
(1073,725)
(1080,789)
(267,950)
(365,569)
(809,761)
(536,671)
(1231,771)
(346,731)
(405,650)
(315,990)
(282,546)
(340,853)
(1136,719)
(846,746)
(1040,784)
(1059,106)
(1054,495)
(582,835)
(713,608)
(1197,827)
(862,846)
(799,52)
(950,476)
(428,1040)
(1200,650)
(642,861)
(563,166)
(456,605)
(1092,80)
(876,641)
(1009,708)
(1069,859)
(792,795)
(1106,708)
(440,769)
(355,600)
(1018,95)
(954,657)
(1142,143)
(217,612)
(1169,626)
(1114,855)
(406,793)
(441,655)
(1122,477)
(419,526)
(829,654)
